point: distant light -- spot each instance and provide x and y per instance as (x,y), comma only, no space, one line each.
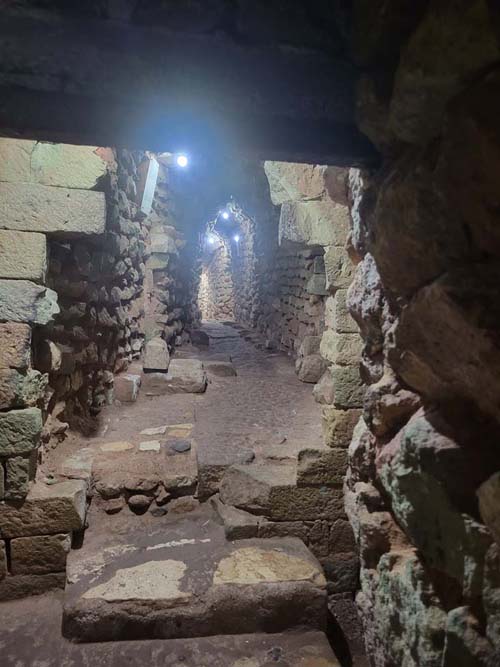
(236,238)
(182,160)
(225,215)
(211,239)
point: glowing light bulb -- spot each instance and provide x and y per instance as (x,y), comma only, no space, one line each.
(182,160)
(236,238)
(225,215)
(210,239)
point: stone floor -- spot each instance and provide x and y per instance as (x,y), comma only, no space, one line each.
(204,584)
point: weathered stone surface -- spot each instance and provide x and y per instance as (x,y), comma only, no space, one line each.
(489,504)
(15,345)
(321,466)
(388,406)
(491,595)
(419,480)
(310,368)
(270,490)
(450,46)
(19,390)
(40,554)
(199,337)
(238,525)
(156,355)
(465,645)
(452,319)
(337,316)
(23,255)
(17,477)
(323,223)
(361,452)
(365,300)
(309,345)
(61,165)
(349,389)
(317,285)
(291,182)
(324,390)
(22,585)
(341,349)
(338,426)
(338,267)
(416,627)
(23,301)
(39,208)
(58,508)
(186,376)
(20,431)
(127,387)
(342,572)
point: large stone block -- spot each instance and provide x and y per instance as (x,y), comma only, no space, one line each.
(321,223)
(310,368)
(337,316)
(23,301)
(156,355)
(19,431)
(39,554)
(321,466)
(289,182)
(348,387)
(17,477)
(39,208)
(19,390)
(489,504)
(15,160)
(338,426)
(58,508)
(15,345)
(339,268)
(425,473)
(270,490)
(69,166)
(341,348)
(23,255)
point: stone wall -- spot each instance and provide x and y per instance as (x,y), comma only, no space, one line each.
(88,271)
(216,292)
(422,491)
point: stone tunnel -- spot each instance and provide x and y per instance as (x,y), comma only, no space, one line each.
(249,334)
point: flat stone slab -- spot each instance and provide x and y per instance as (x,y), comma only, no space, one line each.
(185,376)
(25,301)
(189,581)
(40,618)
(220,368)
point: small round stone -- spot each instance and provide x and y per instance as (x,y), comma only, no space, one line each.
(180,446)
(139,502)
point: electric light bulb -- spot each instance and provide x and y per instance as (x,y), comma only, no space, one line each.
(225,215)
(236,238)
(182,160)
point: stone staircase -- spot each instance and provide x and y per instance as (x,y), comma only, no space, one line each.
(180,577)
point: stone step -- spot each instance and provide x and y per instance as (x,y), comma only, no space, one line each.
(270,489)
(183,579)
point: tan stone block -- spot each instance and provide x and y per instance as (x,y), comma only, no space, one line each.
(23,255)
(15,160)
(23,585)
(337,316)
(338,426)
(15,345)
(69,166)
(348,387)
(342,349)
(322,223)
(59,508)
(39,208)
(39,554)
(326,466)
(339,268)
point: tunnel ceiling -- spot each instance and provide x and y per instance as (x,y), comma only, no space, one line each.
(269,80)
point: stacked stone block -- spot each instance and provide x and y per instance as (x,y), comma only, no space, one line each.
(216,293)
